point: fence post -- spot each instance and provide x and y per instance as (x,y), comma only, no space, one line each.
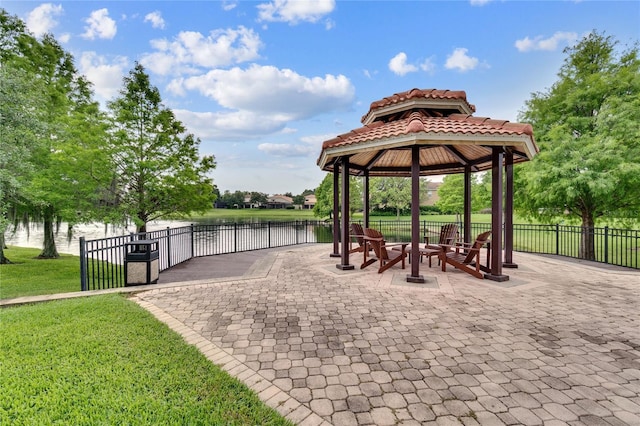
(606,244)
(235,237)
(557,238)
(193,250)
(269,234)
(296,231)
(168,247)
(83,264)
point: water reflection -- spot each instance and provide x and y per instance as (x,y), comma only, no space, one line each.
(33,236)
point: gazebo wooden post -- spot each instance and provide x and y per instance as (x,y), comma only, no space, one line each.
(365,200)
(508,212)
(415,276)
(344,264)
(336,215)
(467,204)
(497,156)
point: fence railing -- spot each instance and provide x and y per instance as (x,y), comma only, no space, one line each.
(102,260)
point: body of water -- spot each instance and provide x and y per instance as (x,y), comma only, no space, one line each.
(34,235)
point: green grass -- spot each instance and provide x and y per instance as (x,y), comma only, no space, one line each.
(30,276)
(242,215)
(104,360)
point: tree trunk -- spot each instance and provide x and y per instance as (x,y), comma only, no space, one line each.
(141,228)
(3,259)
(49,250)
(587,237)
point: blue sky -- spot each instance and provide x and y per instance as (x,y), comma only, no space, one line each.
(263,83)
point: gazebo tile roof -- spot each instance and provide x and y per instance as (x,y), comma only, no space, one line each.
(418,122)
(440,122)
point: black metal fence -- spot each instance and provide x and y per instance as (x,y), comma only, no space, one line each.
(102,260)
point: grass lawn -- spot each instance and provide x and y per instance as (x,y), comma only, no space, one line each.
(105,360)
(290,215)
(242,215)
(30,276)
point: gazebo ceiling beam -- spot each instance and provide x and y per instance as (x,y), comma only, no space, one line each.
(422,168)
(375,159)
(520,154)
(460,157)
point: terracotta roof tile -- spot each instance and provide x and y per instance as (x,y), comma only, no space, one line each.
(421,93)
(440,123)
(419,122)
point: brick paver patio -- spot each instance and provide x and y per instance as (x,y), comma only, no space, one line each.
(557,344)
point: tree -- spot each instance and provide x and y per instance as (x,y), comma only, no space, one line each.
(20,122)
(159,172)
(451,193)
(481,192)
(586,126)
(298,200)
(234,200)
(66,161)
(258,198)
(391,192)
(324,196)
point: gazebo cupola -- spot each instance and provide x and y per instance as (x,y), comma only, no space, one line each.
(428,103)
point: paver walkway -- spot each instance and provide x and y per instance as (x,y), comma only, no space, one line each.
(557,344)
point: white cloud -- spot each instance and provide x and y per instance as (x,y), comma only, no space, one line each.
(155,18)
(428,65)
(42,20)
(295,11)
(100,25)
(228,126)
(369,74)
(460,61)
(191,49)
(228,5)
(398,64)
(310,146)
(282,93)
(64,38)
(287,150)
(106,76)
(478,2)
(538,43)
(260,100)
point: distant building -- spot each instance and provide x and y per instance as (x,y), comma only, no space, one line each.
(431,196)
(248,204)
(309,201)
(279,202)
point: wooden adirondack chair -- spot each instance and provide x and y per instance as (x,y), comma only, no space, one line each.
(448,236)
(358,234)
(466,257)
(387,258)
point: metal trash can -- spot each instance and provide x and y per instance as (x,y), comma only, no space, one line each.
(141,264)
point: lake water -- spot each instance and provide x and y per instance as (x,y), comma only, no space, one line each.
(34,235)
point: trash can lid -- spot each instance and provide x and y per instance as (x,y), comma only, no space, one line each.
(141,242)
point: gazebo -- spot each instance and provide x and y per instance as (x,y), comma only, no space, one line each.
(425,133)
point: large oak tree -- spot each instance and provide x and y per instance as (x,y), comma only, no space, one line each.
(587,128)
(66,160)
